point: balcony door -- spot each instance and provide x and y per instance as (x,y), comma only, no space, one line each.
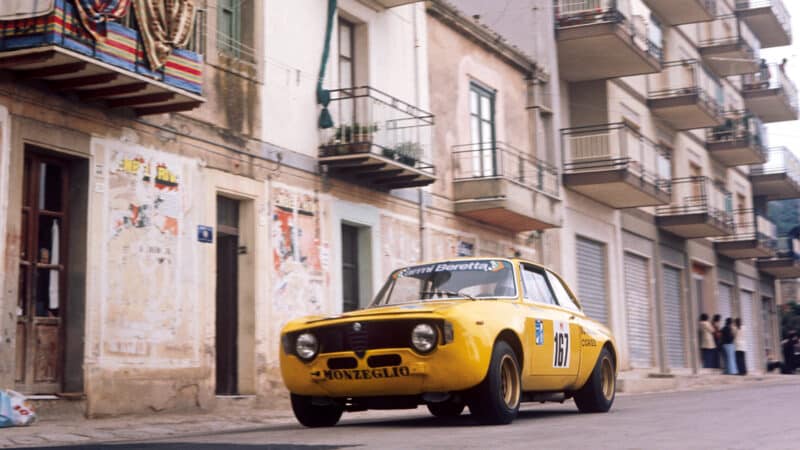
(482,130)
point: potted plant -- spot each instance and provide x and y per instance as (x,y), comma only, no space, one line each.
(408,152)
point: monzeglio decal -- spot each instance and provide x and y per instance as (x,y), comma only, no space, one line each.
(560,345)
(365,374)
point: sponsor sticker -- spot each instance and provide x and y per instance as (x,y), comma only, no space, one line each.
(457,266)
(363,374)
(560,345)
(539,333)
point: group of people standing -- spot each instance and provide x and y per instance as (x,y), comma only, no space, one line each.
(723,346)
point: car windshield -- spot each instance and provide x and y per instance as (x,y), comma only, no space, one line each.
(464,279)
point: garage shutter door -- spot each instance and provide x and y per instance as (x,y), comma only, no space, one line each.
(637,302)
(749,321)
(724,301)
(673,325)
(592,278)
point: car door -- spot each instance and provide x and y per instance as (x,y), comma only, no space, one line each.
(553,363)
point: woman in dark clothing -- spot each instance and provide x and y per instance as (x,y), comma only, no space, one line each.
(789,363)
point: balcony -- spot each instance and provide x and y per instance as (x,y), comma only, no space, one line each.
(378,141)
(770,94)
(699,209)
(55,49)
(615,165)
(768,19)
(786,262)
(778,178)
(596,41)
(679,12)
(681,95)
(499,185)
(386,4)
(752,237)
(727,48)
(741,140)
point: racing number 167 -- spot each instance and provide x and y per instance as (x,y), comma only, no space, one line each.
(561,350)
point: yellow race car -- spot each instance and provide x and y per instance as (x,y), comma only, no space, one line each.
(487,333)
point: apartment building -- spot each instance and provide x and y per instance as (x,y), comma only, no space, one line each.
(168,203)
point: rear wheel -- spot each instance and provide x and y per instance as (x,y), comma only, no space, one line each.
(597,395)
(496,400)
(319,414)
(449,408)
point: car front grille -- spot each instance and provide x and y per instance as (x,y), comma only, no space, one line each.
(360,336)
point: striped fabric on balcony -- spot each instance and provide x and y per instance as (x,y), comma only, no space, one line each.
(165,26)
(95,14)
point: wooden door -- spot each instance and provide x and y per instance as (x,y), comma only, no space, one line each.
(42,275)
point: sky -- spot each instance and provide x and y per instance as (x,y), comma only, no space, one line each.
(787,134)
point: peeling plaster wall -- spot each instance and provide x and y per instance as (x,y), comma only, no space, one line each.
(144,352)
(7,313)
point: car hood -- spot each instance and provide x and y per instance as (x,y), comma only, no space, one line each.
(407,309)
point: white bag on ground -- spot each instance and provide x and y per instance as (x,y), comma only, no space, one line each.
(15,409)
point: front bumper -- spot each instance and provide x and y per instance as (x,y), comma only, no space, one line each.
(448,368)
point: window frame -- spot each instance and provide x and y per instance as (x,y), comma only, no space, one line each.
(574,303)
(234,8)
(483,91)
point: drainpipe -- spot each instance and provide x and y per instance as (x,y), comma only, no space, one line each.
(420,191)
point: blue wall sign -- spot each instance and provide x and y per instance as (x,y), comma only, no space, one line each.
(205,234)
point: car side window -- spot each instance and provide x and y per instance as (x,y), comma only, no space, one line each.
(535,286)
(562,294)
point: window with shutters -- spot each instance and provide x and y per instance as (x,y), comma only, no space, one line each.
(482,129)
(235,28)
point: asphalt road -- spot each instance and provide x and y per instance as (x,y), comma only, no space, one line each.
(743,416)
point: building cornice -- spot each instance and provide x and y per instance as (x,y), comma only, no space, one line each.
(485,37)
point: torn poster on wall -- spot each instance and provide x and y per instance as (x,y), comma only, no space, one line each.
(296,245)
(146,215)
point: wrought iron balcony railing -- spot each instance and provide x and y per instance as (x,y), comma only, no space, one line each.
(739,126)
(500,160)
(777,7)
(686,77)
(771,76)
(748,225)
(615,146)
(699,195)
(368,120)
(569,13)
(780,160)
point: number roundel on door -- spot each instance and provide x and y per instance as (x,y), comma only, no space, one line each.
(560,345)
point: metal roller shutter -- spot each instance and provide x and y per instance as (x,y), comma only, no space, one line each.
(749,323)
(637,302)
(592,278)
(673,323)
(724,301)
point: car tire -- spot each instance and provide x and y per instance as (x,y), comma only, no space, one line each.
(597,395)
(495,401)
(449,408)
(315,415)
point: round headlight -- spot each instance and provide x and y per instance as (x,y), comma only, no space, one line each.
(306,346)
(423,337)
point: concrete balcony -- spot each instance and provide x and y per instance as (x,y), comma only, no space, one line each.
(786,262)
(56,50)
(699,209)
(501,186)
(752,237)
(615,165)
(681,96)
(597,41)
(386,4)
(768,19)
(770,94)
(778,178)
(726,47)
(679,12)
(741,140)
(379,141)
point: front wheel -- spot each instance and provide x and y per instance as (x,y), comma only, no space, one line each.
(496,400)
(597,395)
(313,415)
